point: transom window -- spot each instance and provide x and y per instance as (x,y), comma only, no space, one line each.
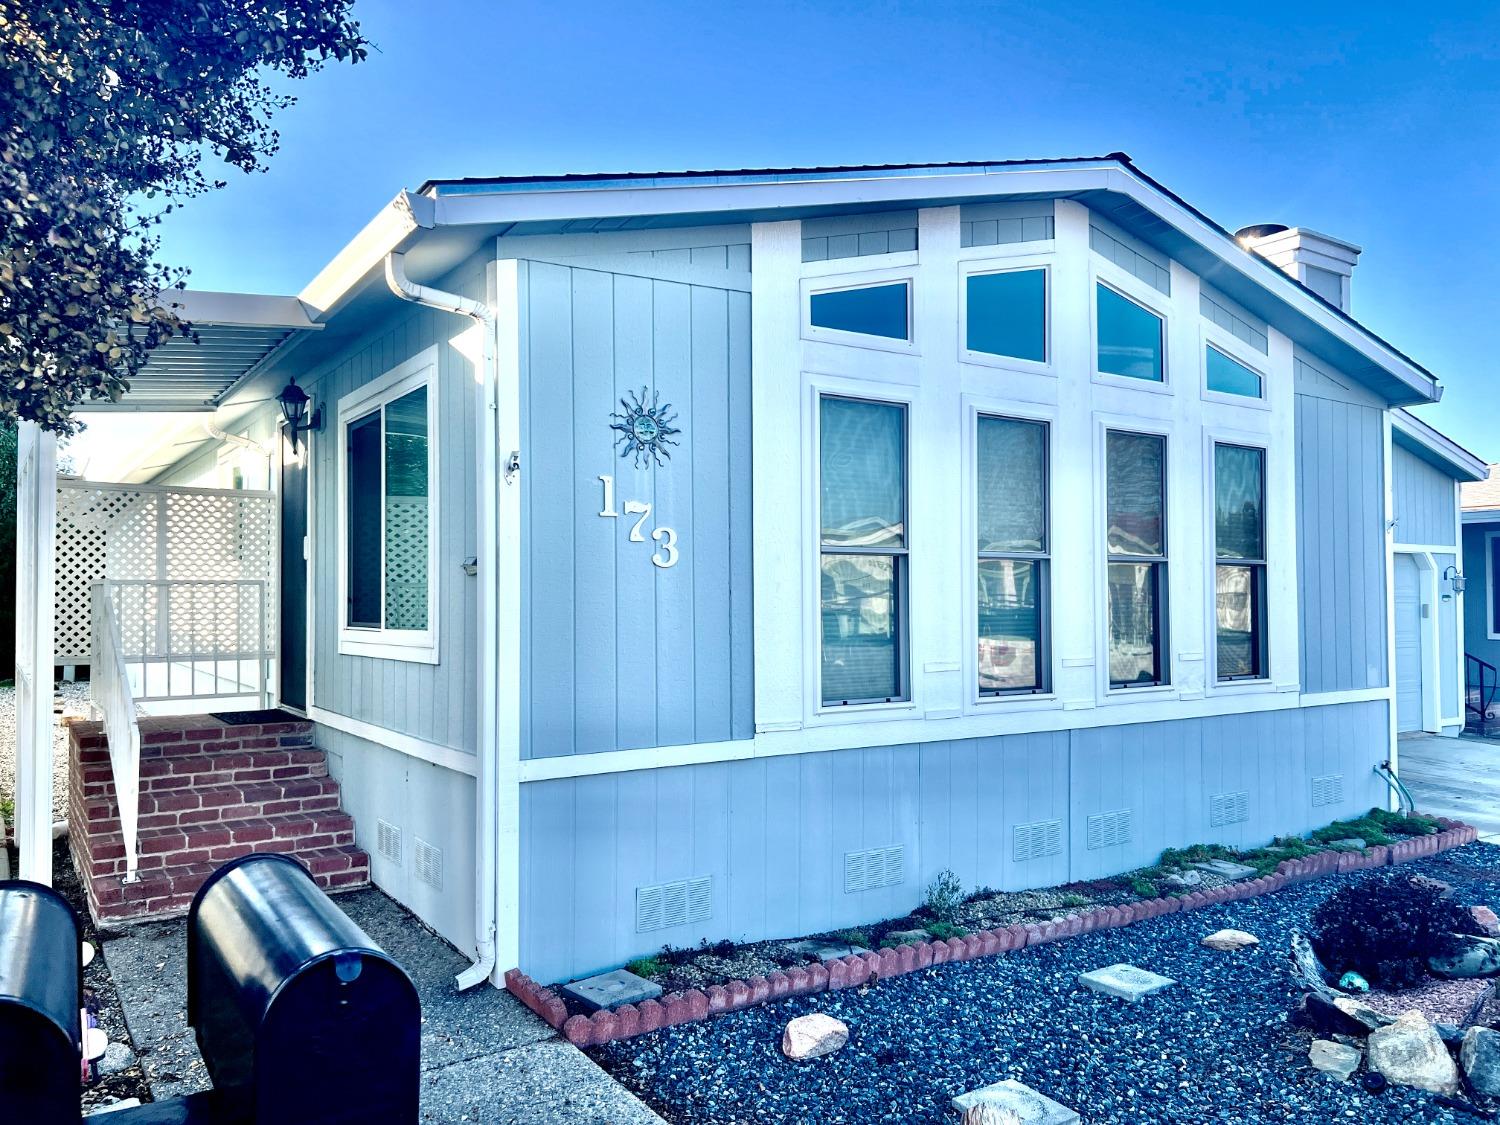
(1005,314)
(388,520)
(863,552)
(1013,555)
(865,310)
(1240,561)
(1130,337)
(1228,376)
(1136,543)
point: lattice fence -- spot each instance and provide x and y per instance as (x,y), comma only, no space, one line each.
(159,533)
(406,559)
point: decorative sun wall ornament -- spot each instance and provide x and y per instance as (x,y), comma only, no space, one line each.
(645,431)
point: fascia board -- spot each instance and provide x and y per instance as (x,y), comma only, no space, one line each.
(1437,448)
(390,229)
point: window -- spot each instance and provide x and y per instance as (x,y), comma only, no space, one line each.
(1229,376)
(1492,575)
(1129,337)
(1240,561)
(869,310)
(1136,541)
(1006,314)
(863,533)
(1013,547)
(388,526)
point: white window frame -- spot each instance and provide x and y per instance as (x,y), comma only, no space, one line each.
(871,279)
(417,645)
(1489,585)
(1214,437)
(1133,289)
(1019,263)
(1210,335)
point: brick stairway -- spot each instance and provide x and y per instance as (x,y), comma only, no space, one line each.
(210,792)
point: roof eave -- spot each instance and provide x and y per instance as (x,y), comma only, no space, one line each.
(1437,448)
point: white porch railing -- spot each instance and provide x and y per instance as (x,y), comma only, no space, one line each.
(109,688)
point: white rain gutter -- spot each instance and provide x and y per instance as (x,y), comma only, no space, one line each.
(489,545)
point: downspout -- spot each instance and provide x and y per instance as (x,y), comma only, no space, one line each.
(489,500)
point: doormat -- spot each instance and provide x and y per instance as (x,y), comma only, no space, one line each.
(257,718)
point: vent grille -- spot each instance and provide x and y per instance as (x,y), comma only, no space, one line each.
(1036,841)
(427,863)
(388,840)
(1109,829)
(874,867)
(1328,789)
(1228,808)
(673,904)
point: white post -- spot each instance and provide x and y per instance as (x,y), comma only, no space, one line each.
(36,530)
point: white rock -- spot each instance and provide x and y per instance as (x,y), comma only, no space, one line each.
(1411,1053)
(1334,1058)
(1230,940)
(988,1113)
(117,1057)
(812,1036)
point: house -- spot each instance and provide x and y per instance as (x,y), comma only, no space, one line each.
(699,555)
(1480,515)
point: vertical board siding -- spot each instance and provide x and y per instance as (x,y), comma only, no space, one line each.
(1341,543)
(433,702)
(1424,500)
(772,833)
(1477,623)
(619,653)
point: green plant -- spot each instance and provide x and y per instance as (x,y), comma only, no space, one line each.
(853,937)
(1365,828)
(1143,887)
(1404,824)
(945,894)
(1175,859)
(945,930)
(1072,901)
(1385,928)
(648,967)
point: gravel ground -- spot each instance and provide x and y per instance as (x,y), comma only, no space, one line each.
(75,698)
(1215,1048)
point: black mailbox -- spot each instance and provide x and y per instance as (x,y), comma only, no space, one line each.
(300,1018)
(40,984)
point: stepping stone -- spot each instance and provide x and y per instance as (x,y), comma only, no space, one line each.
(907,937)
(1125,981)
(1224,869)
(1031,1107)
(826,950)
(610,990)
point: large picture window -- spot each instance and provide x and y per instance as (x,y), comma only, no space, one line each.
(1240,561)
(1136,542)
(387,522)
(1013,555)
(863,550)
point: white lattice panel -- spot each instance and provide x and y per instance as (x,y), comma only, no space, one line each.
(161,533)
(406,559)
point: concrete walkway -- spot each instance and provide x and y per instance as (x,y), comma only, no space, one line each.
(485,1058)
(1454,777)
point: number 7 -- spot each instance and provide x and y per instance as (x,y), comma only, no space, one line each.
(642,509)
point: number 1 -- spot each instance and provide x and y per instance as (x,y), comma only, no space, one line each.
(609,497)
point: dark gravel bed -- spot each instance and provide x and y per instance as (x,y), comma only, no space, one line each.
(1217,1047)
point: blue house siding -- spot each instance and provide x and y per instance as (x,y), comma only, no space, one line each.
(618,653)
(772,833)
(1341,547)
(1424,500)
(1477,624)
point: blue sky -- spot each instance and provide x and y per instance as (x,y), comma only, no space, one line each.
(1375,126)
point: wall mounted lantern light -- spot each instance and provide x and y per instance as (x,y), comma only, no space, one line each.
(293,400)
(1458,580)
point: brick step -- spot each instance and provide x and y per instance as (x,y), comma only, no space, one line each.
(200,770)
(169,738)
(172,807)
(165,891)
(217,842)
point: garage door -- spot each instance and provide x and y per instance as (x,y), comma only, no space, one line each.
(1408,644)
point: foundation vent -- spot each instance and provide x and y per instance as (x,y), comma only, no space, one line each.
(388,840)
(673,904)
(427,863)
(1109,829)
(1228,808)
(1036,841)
(873,868)
(1328,789)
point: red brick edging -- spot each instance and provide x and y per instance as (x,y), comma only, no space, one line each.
(850,972)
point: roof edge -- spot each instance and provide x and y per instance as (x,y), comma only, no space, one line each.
(1433,444)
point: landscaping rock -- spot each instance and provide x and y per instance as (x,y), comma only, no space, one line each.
(1488,921)
(1444,890)
(1125,981)
(813,1036)
(1320,1015)
(610,990)
(1480,1056)
(1348,844)
(1353,982)
(1026,1104)
(827,950)
(1225,869)
(908,937)
(1449,1033)
(1335,1058)
(987,1113)
(117,1057)
(1228,941)
(1183,881)
(1467,955)
(1366,1015)
(1410,1053)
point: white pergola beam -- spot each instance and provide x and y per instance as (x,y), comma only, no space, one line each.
(36,534)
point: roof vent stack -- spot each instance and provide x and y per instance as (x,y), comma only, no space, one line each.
(1321,262)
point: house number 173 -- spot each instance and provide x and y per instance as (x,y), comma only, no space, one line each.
(666,553)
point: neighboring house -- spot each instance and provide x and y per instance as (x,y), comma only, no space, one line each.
(1481,563)
(752,546)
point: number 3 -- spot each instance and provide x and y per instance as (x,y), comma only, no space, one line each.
(668,540)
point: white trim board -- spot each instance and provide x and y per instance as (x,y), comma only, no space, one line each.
(413,747)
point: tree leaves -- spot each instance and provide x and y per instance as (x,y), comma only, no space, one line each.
(104,106)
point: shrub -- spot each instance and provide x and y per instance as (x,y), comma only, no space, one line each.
(945,895)
(853,937)
(945,930)
(1385,928)
(1071,901)
(1143,887)
(647,967)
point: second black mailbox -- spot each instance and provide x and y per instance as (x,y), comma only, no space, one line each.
(299,1016)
